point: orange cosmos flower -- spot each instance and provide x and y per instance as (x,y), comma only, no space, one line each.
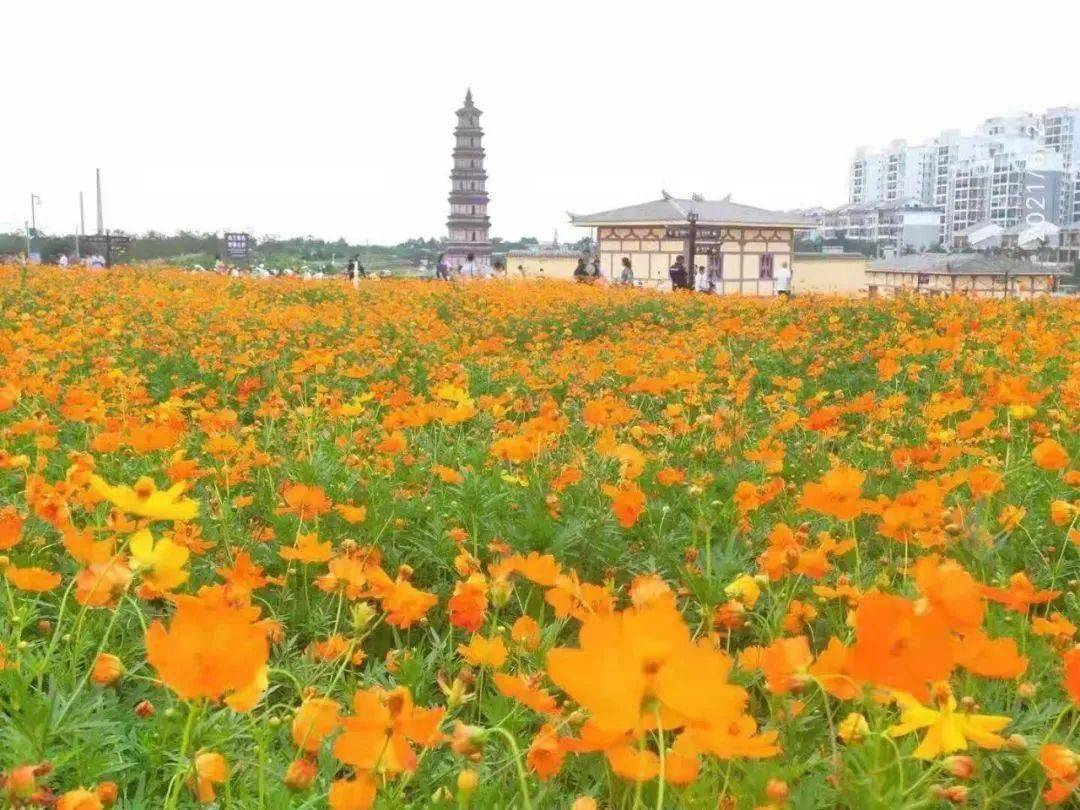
(35,580)
(1071,662)
(404,604)
(209,649)
(832,671)
(353,794)
(627,502)
(1020,595)
(1057,626)
(308,549)
(314,722)
(84,549)
(80,799)
(210,769)
(838,494)
(523,689)
(11,523)
(1062,769)
(991,658)
(649,588)
(484,652)
(785,663)
(628,658)
(896,646)
(950,592)
(304,501)
(526,632)
(546,753)
(543,569)
(378,734)
(469,603)
(984,482)
(243,578)
(101,584)
(1050,455)
(351,514)
(1061,513)
(447,475)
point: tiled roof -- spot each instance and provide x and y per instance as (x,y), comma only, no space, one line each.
(710,212)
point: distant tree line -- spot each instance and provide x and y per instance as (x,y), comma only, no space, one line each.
(190,247)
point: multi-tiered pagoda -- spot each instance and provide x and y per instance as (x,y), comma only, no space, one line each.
(469,223)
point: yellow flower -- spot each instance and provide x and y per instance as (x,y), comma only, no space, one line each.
(161,565)
(745,589)
(947,729)
(146,500)
(853,728)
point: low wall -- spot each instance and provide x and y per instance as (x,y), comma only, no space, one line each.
(833,273)
(540,265)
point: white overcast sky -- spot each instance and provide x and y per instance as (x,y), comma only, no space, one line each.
(335,118)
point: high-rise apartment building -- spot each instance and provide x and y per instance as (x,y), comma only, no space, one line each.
(1020,169)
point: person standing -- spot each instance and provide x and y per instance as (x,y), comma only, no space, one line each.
(468,270)
(581,272)
(701,280)
(596,268)
(782,280)
(627,275)
(680,279)
(63,262)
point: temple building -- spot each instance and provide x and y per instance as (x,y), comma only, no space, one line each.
(469,224)
(739,244)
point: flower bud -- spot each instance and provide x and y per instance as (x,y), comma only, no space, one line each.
(467,741)
(1016,742)
(466,783)
(145,709)
(957,794)
(776,790)
(362,614)
(106,793)
(301,774)
(107,669)
(1026,690)
(960,766)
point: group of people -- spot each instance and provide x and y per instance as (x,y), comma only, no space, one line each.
(682,277)
(471,269)
(705,281)
(354,271)
(584,273)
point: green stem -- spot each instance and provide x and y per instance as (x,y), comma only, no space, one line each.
(522,779)
(660,782)
(173,795)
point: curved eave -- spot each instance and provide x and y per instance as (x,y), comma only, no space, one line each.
(588,223)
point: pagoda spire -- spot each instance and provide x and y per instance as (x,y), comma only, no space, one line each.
(468,226)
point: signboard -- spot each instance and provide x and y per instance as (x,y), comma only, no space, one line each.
(237,245)
(705,233)
(103,243)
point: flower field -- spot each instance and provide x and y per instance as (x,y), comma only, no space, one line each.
(284,544)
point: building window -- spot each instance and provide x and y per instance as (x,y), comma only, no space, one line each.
(473,237)
(765,268)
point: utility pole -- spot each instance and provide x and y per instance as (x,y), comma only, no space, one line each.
(100,219)
(82,226)
(26,227)
(34,199)
(691,248)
